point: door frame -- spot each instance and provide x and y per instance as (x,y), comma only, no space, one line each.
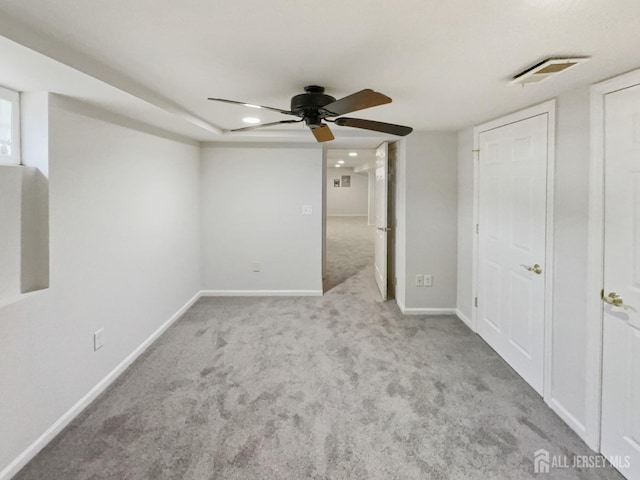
(547,108)
(595,255)
(385,295)
(392,221)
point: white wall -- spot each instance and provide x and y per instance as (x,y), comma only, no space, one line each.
(570,256)
(10,201)
(350,201)
(124,242)
(252,200)
(401,223)
(570,252)
(427,177)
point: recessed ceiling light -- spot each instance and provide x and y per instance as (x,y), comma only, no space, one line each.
(337,166)
(251,106)
(353,154)
(340,162)
(251,120)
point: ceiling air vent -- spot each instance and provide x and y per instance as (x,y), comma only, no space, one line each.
(546,69)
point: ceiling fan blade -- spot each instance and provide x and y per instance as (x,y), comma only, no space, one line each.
(366,98)
(252,105)
(323,133)
(253,127)
(391,128)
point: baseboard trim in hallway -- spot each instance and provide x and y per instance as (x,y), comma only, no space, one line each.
(464,318)
(261,293)
(426,311)
(32,450)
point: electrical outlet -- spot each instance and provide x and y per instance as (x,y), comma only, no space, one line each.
(98,340)
(428,280)
(307,210)
(419,280)
(255,267)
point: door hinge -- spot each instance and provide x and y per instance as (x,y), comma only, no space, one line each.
(477,228)
(476,301)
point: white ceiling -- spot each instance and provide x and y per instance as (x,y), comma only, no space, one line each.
(446,64)
(365,157)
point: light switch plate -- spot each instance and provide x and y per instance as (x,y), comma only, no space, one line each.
(98,340)
(428,280)
(307,210)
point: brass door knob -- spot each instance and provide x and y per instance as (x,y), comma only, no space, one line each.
(614,299)
(537,269)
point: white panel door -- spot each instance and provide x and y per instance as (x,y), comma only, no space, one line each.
(382,165)
(621,343)
(512,235)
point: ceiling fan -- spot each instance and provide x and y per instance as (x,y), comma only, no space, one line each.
(314,107)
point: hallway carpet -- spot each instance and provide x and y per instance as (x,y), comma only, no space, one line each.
(336,387)
(350,248)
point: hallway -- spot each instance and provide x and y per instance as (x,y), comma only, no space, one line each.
(350,248)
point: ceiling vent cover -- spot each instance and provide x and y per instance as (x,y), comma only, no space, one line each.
(546,69)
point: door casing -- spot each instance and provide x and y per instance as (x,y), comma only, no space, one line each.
(381,262)
(548,108)
(595,259)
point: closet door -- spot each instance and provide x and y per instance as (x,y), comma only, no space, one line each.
(621,296)
(512,243)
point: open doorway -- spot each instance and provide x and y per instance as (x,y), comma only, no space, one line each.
(350,215)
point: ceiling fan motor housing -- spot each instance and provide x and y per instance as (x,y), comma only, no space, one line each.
(308,105)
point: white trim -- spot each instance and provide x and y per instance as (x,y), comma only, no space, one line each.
(261,293)
(475,254)
(595,258)
(348,215)
(547,108)
(463,317)
(550,236)
(32,450)
(567,417)
(426,311)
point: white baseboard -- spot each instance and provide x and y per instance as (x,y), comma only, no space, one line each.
(260,293)
(347,215)
(32,450)
(426,311)
(464,318)
(569,419)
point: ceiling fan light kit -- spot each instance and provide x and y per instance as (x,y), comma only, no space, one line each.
(314,107)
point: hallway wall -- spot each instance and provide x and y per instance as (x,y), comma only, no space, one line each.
(347,201)
(427,221)
(570,348)
(252,199)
